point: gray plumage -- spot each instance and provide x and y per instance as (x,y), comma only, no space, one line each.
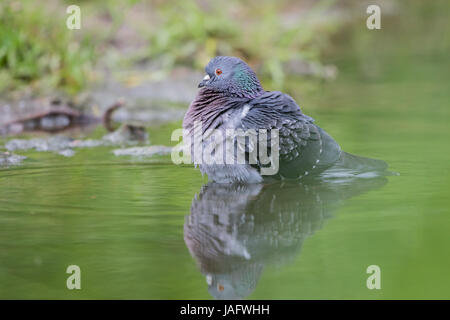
(231,97)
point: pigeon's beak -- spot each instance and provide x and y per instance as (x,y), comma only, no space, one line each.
(204,81)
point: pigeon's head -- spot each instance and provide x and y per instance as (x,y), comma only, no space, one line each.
(231,75)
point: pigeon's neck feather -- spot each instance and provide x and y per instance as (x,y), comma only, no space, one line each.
(209,105)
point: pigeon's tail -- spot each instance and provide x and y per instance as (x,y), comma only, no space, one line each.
(360,164)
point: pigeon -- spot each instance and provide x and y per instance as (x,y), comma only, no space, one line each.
(232,108)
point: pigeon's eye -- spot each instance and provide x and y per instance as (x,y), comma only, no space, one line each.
(218,71)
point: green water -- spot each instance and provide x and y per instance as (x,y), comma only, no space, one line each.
(147,229)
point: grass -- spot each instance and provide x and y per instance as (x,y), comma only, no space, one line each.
(37,49)
(39,54)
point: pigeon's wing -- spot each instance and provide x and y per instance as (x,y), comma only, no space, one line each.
(304,148)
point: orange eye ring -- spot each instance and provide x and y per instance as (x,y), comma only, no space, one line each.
(218,71)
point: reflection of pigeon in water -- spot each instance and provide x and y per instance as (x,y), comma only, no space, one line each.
(232,98)
(233,231)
